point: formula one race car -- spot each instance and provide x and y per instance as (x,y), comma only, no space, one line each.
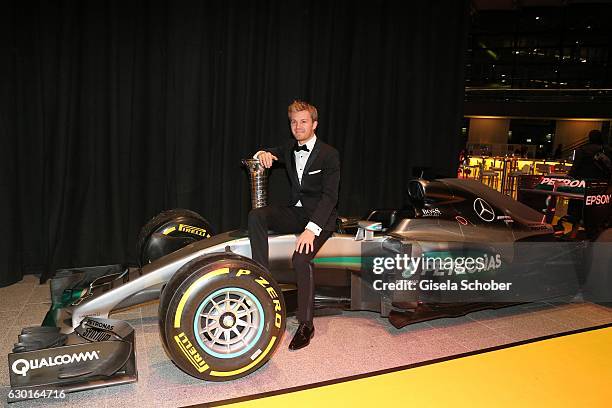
(455,246)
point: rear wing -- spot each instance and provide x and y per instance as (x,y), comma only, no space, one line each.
(540,193)
(597,209)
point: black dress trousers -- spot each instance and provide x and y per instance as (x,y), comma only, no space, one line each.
(287,220)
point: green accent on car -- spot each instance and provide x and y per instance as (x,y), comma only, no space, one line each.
(69,296)
(339,261)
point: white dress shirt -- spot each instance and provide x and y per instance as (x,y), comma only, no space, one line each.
(301,158)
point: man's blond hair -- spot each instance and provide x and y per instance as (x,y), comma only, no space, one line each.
(298,106)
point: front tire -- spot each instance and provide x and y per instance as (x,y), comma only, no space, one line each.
(221,317)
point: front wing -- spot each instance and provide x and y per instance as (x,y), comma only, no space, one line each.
(99,353)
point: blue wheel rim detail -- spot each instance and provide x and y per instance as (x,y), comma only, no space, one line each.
(206,302)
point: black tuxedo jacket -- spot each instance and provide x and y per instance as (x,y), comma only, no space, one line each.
(318,191)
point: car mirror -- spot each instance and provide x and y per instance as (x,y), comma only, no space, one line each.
(366,230)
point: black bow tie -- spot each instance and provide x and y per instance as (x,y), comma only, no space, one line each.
(298,148)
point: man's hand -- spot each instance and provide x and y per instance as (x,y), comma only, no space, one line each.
(266,158)
(305,242)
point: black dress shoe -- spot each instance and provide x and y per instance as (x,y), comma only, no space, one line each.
(302,336)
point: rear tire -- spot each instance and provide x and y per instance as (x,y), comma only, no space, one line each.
(180,226)
(221,317)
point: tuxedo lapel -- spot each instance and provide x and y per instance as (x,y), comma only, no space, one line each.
(290,160)
(313,155)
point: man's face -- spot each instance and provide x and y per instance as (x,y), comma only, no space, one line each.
(302,126)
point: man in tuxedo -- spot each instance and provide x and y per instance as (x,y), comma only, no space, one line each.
(314,172)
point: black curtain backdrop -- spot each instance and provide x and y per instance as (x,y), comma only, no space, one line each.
(114,111)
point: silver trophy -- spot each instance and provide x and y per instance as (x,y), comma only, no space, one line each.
(258,175)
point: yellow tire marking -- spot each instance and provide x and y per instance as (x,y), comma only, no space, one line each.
(181,305)
(169,230)
(249,366)
(243,272)
(192,230)
(194,358)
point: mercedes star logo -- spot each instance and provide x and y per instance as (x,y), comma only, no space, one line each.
(484,210)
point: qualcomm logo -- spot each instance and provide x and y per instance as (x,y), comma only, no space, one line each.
(22,366)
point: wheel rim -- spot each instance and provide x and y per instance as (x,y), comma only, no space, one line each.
(229,322)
